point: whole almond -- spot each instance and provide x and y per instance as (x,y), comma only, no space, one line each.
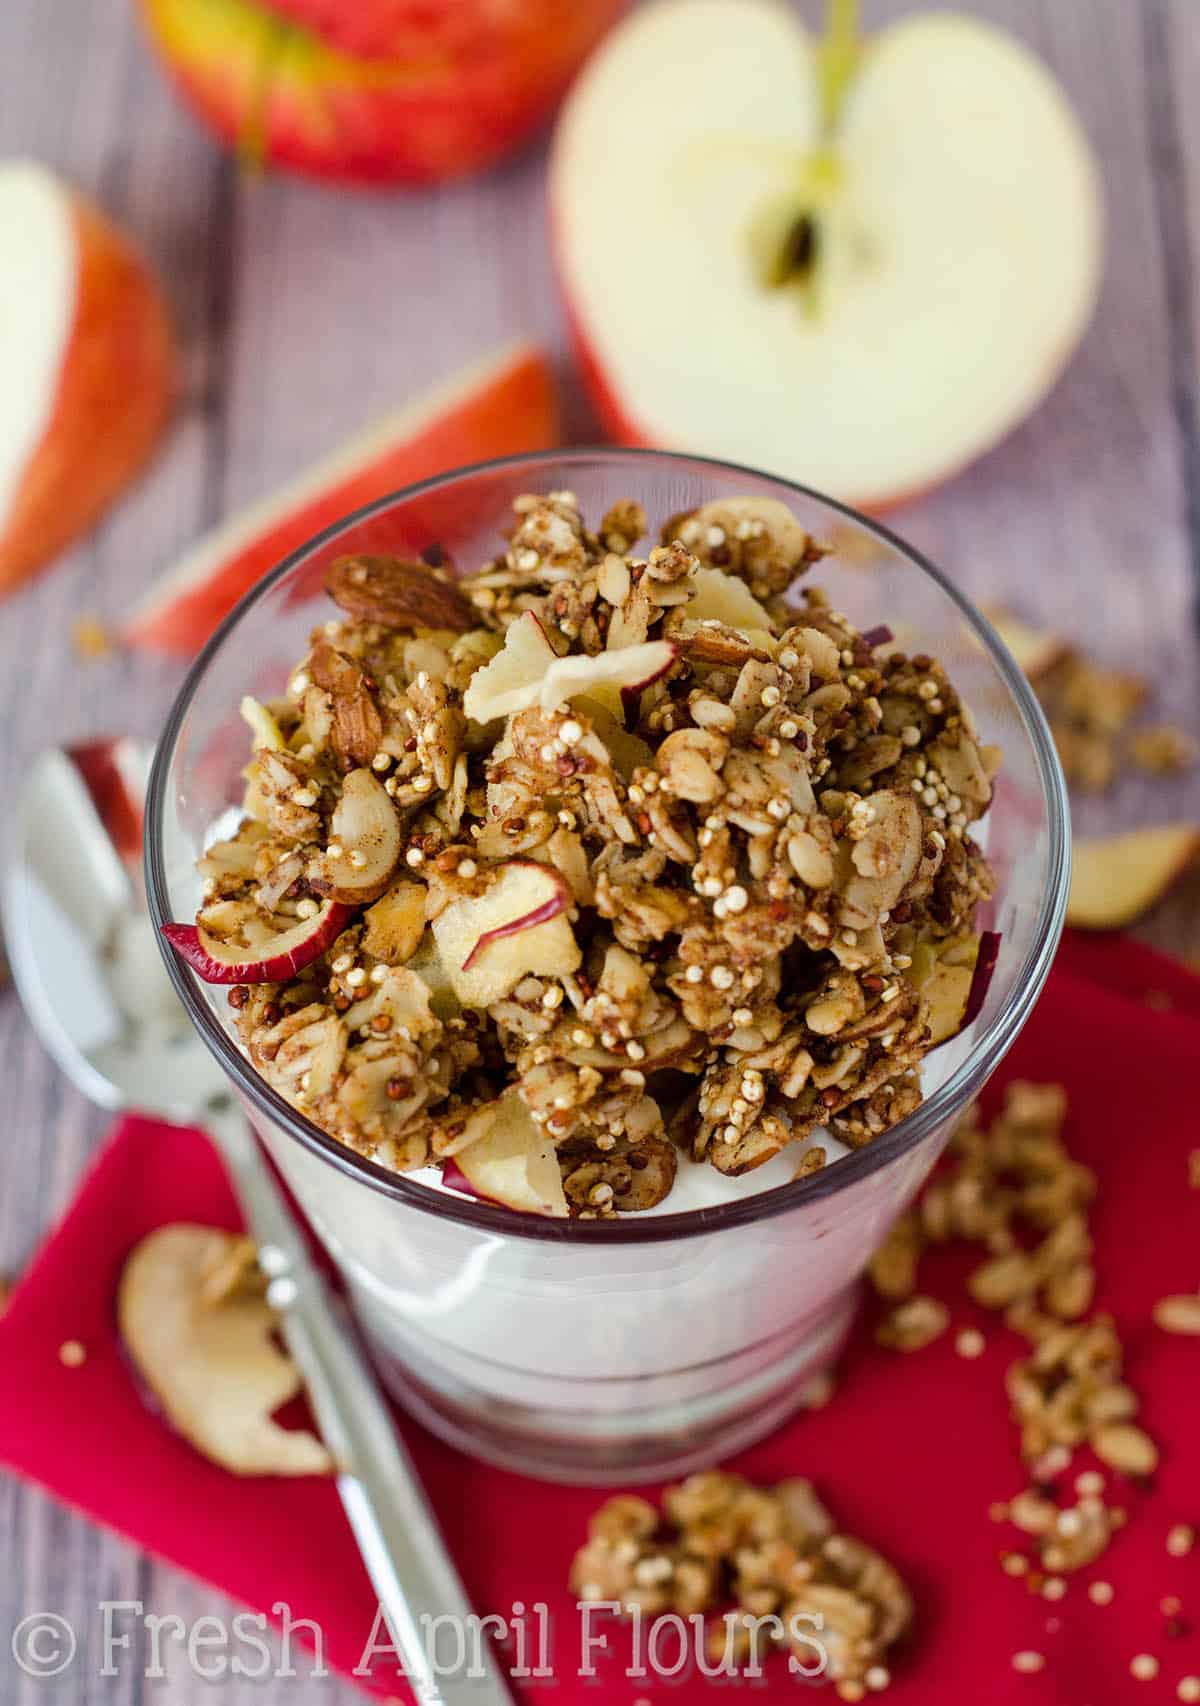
(398,593)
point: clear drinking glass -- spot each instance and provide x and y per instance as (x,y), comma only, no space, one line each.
(608,1351)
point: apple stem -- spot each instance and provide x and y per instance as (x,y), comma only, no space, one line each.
(252,137)
(837,60)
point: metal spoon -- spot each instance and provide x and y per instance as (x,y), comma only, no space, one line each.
(91,980)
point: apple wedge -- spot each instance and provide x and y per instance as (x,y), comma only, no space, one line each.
(1115,880)
(866,309)
(88,365)
(515,929)
(364,844)
(513,1164)
(500,405)
(272,962)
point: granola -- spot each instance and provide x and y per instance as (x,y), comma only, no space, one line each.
(636,861)
(774,1553)
(1014,1189)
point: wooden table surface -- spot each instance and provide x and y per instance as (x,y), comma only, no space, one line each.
(304,312)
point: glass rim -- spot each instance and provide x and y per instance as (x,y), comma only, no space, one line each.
(492,1218)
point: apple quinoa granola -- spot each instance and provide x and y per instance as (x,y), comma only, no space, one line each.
(774,1553)
(600,861)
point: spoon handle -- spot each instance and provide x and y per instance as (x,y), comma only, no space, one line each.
(404,1553)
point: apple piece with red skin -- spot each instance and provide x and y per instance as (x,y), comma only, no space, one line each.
(1116,879)
(372,92)
(498,406)
(366,827)
(955,264)
(88,362)
(516,928)
(266,962)
(514,1164)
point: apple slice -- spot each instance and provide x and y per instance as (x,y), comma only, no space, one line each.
(273,962)
(513,1164)
(933,261)
(396,923)
(366,827)
(1036,650)
(88,365)
(511,680)
(630,670)
(529,672)
(723,598)
(956,983)
(515,929)
(1115,880)
(500,405)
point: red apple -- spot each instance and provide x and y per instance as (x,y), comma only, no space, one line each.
(375,91)
(499,406)
(289,953)
(87,364)
(864,311)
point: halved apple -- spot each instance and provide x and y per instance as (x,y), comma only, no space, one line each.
(502,404)
(87,359)
(365,832)
(1115,880)
(513,1164)
(271,962)
(864,310)
(515,929)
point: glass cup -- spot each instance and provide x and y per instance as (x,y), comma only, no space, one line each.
(613,1350)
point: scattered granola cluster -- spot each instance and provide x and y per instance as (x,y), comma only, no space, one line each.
(1090,710)
(623,852)
(771,1551)
(1015,1189)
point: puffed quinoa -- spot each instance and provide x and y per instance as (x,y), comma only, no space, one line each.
(643,735)
(1014,1189)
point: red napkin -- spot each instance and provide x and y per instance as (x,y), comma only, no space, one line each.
(909,1454)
